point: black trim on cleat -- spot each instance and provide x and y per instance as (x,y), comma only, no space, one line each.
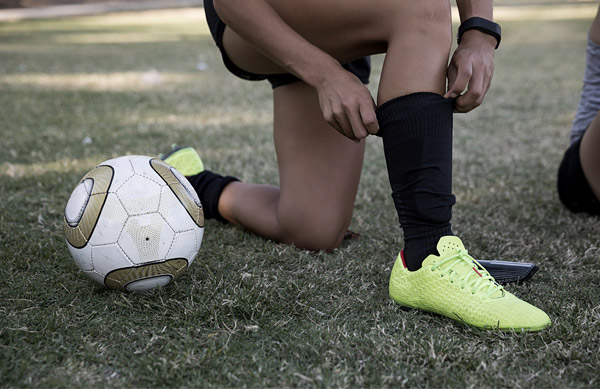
(505,272)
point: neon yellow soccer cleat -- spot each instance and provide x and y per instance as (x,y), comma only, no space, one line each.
(455,285)
(184,159)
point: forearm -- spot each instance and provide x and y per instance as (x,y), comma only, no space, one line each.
(476,8)
(470,8)
(258,23)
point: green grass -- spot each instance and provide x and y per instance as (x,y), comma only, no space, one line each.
(254,313)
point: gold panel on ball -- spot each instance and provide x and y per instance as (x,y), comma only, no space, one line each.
(164,171)
(79,235)
(119,278)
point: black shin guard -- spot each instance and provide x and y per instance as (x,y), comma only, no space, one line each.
(209,187)
(417,139)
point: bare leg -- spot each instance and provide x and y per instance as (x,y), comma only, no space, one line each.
(319,173)
(589,153)
(595,28)
(418,51)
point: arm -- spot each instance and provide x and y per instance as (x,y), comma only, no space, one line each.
(347,105)
(472,63)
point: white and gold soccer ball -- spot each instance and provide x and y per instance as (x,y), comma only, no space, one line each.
(134,223)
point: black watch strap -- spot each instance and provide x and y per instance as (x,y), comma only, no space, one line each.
(480,24)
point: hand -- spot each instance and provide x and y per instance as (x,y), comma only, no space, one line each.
(347,105)
(471,68)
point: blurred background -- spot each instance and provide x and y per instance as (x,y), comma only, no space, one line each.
(44,3)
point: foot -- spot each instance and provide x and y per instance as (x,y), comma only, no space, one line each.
(184,159)
(453,284)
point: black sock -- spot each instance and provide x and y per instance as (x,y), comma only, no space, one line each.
(417,139)
(209,187)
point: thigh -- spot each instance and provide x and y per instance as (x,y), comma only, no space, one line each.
(347,30)
(416,35)
(319,168)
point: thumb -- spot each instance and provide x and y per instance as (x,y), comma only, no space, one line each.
(457,81)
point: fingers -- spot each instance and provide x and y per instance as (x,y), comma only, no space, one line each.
(358,129)
(451,75)
(369,119)
(340,121)
(470,71)
(344,126)
(358,124)
(348,106)
(460,80)
(473,97)
(476,82)
(353,119)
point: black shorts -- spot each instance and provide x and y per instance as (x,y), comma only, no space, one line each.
(573,188)
(360,67)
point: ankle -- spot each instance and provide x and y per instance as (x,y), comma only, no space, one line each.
(419,246)
(227,200)
(210,187)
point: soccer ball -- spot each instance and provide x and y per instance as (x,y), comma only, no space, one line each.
(134,223)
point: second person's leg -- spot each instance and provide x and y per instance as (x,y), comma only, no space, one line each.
(590,142)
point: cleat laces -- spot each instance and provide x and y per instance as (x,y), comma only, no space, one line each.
(461,267)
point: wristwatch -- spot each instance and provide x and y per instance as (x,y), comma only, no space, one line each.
(480,24)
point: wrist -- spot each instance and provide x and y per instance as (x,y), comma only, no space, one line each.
(319,72)
(478,36)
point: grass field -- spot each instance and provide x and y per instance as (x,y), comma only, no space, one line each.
(75,92)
